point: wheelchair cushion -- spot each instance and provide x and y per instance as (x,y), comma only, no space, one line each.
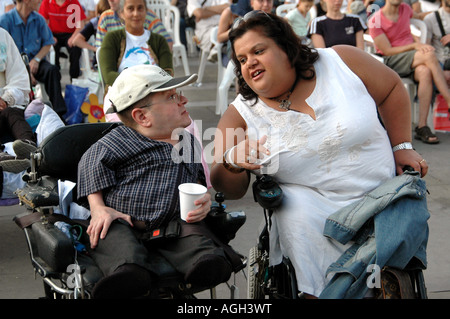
(61,151)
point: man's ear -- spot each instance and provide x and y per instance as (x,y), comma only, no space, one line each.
(142,117)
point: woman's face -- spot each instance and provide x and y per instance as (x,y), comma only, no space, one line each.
(264,5)
(114,4)
(265,67)
(134,13)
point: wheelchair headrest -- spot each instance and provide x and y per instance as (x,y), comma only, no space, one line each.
(62,150)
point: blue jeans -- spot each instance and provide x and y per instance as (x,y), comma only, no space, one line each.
(389,228)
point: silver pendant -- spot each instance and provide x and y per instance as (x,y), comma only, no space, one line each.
(285,105)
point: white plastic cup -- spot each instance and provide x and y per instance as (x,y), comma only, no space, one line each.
(189,193)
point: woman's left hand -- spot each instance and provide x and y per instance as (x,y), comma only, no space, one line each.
(200,213)
(410,158)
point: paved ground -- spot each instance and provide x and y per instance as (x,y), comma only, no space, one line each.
(16,274)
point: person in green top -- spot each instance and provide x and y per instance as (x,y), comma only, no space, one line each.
(133,45)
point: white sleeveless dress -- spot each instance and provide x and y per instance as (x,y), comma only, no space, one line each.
(321,165)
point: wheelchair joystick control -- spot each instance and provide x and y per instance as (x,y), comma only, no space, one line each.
(267,192)
(225,224)
(220,198)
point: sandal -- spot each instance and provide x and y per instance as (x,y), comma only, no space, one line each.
(424,134)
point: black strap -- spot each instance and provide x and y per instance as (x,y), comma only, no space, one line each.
(28,219)
(438,18)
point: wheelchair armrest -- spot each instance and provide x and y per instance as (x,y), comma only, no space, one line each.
(43,193)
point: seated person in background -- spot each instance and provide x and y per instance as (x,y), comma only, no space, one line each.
(90,29)
(5,6)
(132,175)
(89,8)
(359,7)
(65,19)
(14,97)
(300,17)
(207,15)
(33,37)
(391,33)
(235,10)
(337,28)
(440,42)
(111,20)
(133,45)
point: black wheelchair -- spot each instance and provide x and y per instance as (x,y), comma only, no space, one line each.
(279,281)
(67,273)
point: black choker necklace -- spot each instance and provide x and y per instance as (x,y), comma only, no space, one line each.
(285,104)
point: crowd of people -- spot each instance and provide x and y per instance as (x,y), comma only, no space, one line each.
(317,110)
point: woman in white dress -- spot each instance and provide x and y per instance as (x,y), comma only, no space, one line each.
(309,118)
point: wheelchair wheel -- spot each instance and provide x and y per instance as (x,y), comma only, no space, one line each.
(256,271)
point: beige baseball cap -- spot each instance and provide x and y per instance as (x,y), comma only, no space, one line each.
(136,82)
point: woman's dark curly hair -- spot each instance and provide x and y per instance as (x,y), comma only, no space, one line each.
(280,31)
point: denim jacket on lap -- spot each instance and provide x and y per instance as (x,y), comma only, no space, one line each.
(389,228)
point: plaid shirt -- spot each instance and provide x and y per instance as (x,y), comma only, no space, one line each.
(138,175)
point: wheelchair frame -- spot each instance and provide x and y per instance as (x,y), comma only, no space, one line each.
(72,275)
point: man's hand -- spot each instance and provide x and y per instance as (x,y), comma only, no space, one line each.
(3,104)
(200,213)
(34,66)
(101,218)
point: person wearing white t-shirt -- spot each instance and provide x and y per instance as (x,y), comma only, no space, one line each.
(299,17)
(137,51)
(440,42)
(207,15)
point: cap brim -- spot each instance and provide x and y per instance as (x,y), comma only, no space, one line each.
(176,83)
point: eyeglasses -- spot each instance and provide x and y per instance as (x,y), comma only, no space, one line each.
(249,15)
(176,97)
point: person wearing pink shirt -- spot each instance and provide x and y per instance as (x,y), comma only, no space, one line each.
(65,19)
(390,30)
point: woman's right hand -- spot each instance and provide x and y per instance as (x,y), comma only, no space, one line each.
(247,153)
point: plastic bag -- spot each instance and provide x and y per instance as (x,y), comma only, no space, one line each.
(74,98)
(441,115)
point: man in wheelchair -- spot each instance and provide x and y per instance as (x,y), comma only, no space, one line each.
(129,179)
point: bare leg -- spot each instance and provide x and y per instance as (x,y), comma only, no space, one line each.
(428,70)
(423,75)
(429,60)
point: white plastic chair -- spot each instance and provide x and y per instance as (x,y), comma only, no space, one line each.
(218,45)
(224,87)
(201,68)
(220,68)
(97,56)
(85,66)
(170,17)
(283,9)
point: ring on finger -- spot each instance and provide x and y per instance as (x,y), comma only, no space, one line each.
(423,160)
